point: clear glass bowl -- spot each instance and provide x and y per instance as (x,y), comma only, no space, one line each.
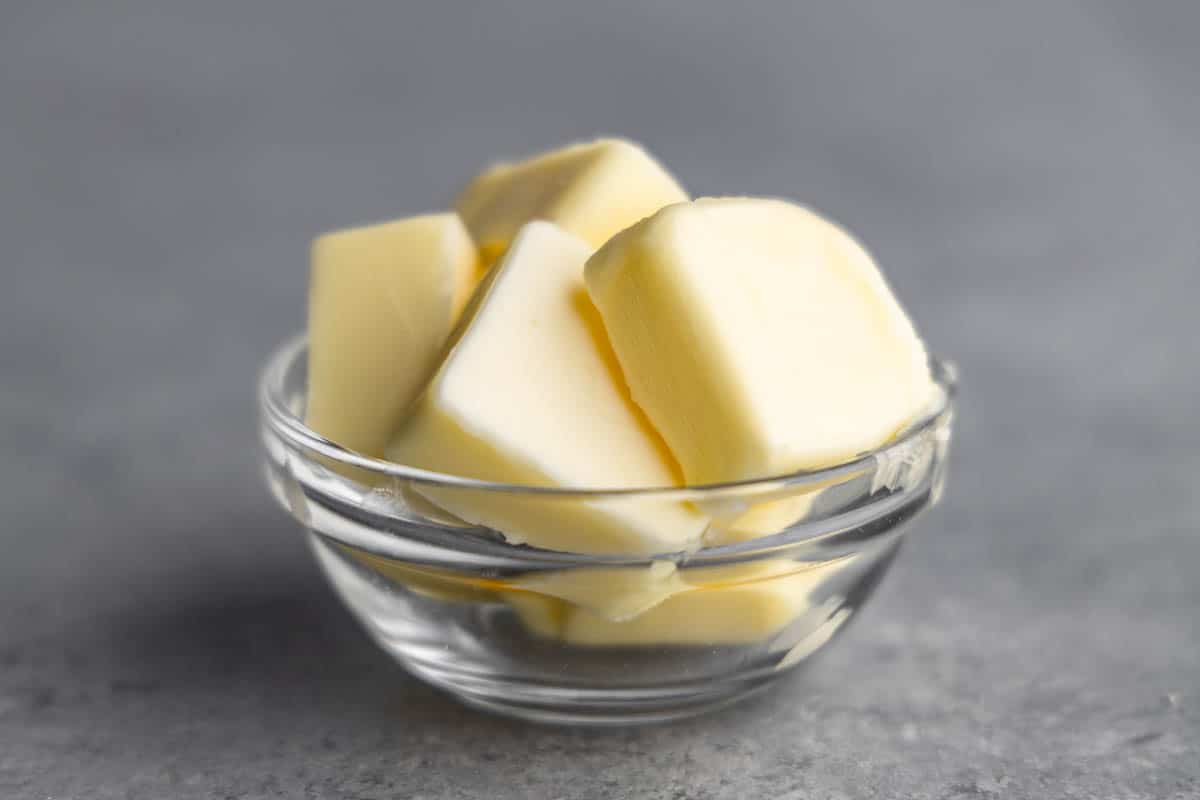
(598,639)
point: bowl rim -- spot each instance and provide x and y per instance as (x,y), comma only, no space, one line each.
(281,419)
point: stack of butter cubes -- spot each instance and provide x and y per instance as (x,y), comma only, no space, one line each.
(578,321)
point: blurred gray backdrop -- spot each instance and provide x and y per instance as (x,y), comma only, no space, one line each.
(1025,172)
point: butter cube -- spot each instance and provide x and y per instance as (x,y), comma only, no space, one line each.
(703,606)
(762,519)
(539,614)
(433,583)
(752,516)
(590,189)
(530,394)
(616,593)
(759,338)
(382,300)
(739,604)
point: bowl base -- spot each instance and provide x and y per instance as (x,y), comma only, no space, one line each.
(481,651)
(597,708)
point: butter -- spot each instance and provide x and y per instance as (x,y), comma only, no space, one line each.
(540,615)
(428,581)
(728,605)
(759,338)
(763,518)
(617,593)
(591,189)
(529,393)
(382,300)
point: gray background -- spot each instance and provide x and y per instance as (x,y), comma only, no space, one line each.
(1026,172)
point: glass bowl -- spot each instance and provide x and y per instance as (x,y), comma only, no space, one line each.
(598,639)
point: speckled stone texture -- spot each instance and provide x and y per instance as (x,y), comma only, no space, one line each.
(1027,173)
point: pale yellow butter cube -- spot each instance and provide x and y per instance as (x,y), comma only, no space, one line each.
(428,581)
(382,300)
(530,394)
(705,606)
(752,516)
(762,519)
(590,189)
(616,593)
(738,604)
(539,614)
(759,338)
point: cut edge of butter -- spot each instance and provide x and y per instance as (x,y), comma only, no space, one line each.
(382,300)
(592,189)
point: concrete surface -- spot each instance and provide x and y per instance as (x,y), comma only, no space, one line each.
(1026,172)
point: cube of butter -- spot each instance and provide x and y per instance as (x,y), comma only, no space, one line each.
(589,189)
(616,593)
(736,614)
(382,300)
(759,338)
(737,604)
(530,394)
(761,519)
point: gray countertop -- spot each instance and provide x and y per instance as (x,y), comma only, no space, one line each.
(1026,172)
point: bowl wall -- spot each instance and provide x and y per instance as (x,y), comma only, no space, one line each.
(610,638)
